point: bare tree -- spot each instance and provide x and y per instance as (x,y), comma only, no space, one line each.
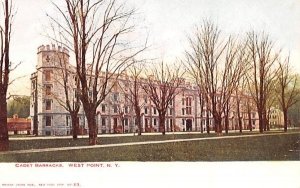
(201,108)
(96,32)
(262,72)
(67,79)
(241,98)
(132,87)
(162,85)
(287,91)
(5,65)
(215,68)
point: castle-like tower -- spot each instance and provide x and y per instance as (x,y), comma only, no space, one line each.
(48,115)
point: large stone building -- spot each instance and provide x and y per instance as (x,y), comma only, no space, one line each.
(115,114)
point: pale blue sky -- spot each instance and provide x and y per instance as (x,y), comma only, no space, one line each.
(168,23)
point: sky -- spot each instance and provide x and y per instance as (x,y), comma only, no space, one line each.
(167,24)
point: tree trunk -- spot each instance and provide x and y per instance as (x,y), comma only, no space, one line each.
(92,127)
(201,124)
(267,124)
(75,125)
(218,124)
(249,119)
(285,120)
(226,124)
(264,119)
(260,120)
(139,124)
(207,122)
(226,118)
(4,143)
(162,124)
(239,117)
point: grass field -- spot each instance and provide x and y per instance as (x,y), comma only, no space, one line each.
(269,147)
(68,142)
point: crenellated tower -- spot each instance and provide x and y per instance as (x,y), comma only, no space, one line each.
(46,87)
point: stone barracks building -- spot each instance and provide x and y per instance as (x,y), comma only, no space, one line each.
(50,118)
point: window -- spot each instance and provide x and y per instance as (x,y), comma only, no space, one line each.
(182,101)
(115,122)
(253,122)
(253,115)
(171,122)
(171,102)
(183,121)
(188,110)
(145,99)
(154,122)
(126,109)
(171,111)
(189,105)
(183,111)
(48,104)
(188,101)
(75,93)
(135,121)
(115,108)
(90,93)
(103,122)
(48,121)
(33,84)
(47,75)
(103,108)
(126,121)
(115,97)
(67,120)
(48,89)
(146,110)
(154,110)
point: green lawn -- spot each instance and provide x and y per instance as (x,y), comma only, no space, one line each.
(55,143)
(269,147)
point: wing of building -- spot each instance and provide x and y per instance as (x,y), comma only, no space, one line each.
(49,117)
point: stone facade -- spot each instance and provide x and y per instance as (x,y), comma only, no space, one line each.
(50,118)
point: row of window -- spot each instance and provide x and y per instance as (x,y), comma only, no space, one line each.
(48,120)
(126,120)
(116,109)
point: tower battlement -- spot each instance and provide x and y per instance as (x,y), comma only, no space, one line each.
(52,48)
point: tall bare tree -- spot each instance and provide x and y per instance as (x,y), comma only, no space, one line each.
(5,65)
(261,75)
(215,68)
(287,91)
(132,87)
(96,32)
(162,85)
(67,79)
